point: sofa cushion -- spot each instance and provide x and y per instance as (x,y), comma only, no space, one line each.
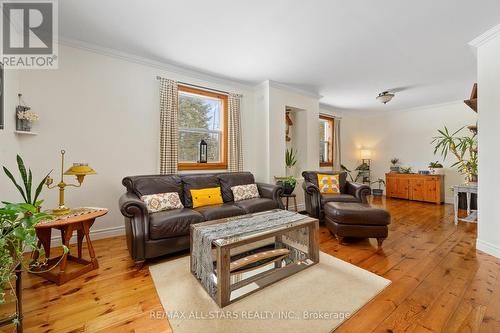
(197,181)
(172,223)
(338,198)
(245,192)
(206,197)
(356,214)
(328,184)
(312,177)
(219,211)
(146,185)
(257,205)
(162,201)
(230,179)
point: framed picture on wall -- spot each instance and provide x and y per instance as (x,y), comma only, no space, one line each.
(1,97)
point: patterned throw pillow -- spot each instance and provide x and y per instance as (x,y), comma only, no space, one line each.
(162,201)
(328,184)
(243,192)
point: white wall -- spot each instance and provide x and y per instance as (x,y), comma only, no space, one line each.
(350,135)
(407,134)
(9,144)
(105,111)
(489,138)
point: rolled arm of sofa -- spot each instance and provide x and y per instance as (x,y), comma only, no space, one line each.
(360,191)
(270,191)
(136,224)
(312,199)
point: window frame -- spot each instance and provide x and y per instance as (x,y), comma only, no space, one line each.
(224,147)
(331,122)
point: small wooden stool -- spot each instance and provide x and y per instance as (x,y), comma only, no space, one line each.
(79,223)
(288,196)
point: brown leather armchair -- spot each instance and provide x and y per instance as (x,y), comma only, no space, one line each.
(151,235)
(349,192)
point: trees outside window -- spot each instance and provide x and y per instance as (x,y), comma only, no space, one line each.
(202,116)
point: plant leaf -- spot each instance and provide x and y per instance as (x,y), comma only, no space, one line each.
(11,177)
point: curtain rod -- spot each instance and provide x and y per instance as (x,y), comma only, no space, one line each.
(196,86)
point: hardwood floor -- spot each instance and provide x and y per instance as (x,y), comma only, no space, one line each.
(440,283)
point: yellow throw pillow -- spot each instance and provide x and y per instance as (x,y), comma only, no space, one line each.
(206,197)
(328,184)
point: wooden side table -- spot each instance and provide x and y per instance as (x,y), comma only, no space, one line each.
(79,223)
(288,196)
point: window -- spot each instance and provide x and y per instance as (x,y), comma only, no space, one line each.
(202,116)
(325,141)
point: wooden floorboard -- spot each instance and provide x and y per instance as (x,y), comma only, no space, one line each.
(440,283)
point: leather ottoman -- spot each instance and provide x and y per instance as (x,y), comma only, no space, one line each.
(351,219)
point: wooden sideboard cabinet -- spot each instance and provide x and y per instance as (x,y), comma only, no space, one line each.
(428,188)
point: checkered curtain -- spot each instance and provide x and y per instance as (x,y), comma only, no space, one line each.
(235,155)
(169,126)
(337,158)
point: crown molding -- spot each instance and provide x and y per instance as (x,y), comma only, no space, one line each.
(485,37)
(160,65)
(283,86)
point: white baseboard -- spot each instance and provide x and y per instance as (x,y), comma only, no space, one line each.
(488,248)
(94,234)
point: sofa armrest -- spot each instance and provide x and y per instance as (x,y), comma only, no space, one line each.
(270,191)
(312,199)
(136,224)
(360,191)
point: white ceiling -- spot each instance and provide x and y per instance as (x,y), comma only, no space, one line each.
(347,51)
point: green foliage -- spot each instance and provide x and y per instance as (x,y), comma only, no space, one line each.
(290,157)
(195,118)
(394,161)
(290,180)
(27,180)
(435,165)
(17,230)
(464,148)
(406,170)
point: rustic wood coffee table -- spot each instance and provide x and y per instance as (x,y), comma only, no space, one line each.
(254,260)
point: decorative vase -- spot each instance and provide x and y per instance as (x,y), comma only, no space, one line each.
(471,178)
(23,125)
(437,171)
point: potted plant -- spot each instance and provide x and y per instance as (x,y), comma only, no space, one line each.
(288,184)
(436,168)
(290,159)
(464,148)
(25,119)
(26,190)
(406,170)
(394,165)
(378,192)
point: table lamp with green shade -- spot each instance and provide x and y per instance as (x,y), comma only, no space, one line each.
(80,170)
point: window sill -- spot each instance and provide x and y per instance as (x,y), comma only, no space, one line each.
(201,166)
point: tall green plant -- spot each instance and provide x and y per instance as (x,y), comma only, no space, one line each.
(26,190)
(464,148)
(290,157)
(17,231)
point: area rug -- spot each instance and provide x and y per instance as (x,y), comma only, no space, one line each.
(317,299)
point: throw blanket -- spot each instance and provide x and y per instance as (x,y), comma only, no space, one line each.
(201,256)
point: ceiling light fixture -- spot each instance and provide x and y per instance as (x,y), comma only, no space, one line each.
(385,97)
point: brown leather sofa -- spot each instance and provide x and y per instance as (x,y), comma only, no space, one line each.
(315,201)
(151,235)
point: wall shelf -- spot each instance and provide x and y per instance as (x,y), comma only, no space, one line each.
(25,133)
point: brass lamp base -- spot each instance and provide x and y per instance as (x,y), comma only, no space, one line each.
(61,210)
